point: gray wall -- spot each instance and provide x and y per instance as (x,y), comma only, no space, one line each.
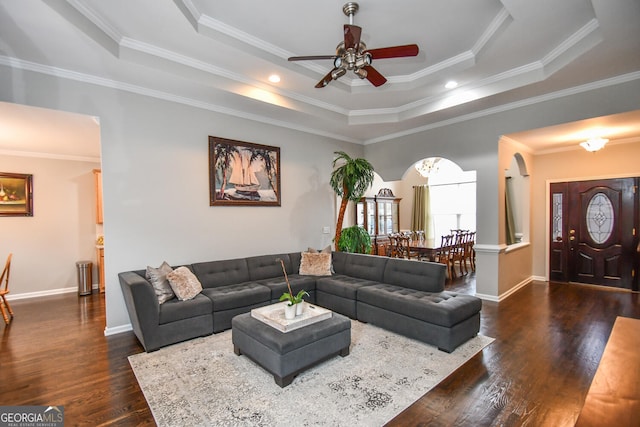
(473,145)
(155,173)
(155,180)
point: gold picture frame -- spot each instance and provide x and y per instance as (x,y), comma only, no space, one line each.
(243,173)
(16,194)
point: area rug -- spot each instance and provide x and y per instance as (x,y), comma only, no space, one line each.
(203,383)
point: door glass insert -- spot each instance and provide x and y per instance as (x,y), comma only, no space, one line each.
(600,218)
(557,216)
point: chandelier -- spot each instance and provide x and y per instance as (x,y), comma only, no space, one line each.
(594,144)
(428,166)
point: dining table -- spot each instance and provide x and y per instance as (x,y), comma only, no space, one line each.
(427,248)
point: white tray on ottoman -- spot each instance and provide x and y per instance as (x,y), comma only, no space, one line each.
(273,315)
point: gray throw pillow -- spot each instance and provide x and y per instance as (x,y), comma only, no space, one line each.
(161,286)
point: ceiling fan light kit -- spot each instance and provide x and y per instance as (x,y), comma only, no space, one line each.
(352,54)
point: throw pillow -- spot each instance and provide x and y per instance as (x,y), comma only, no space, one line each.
(158,279)
(184,283)
(326,250)
(315,264)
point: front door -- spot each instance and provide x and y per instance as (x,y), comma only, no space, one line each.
(593,232)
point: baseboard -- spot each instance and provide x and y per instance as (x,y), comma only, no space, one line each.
(48,292)
(117,329)
(38,294)
(507,294)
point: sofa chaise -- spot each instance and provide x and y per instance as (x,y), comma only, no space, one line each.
(403,296)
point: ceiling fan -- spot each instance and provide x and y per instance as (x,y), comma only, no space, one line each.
(352,54)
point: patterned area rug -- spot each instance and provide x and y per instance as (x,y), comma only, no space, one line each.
(203,383)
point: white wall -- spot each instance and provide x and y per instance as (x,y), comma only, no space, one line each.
(155,180)
(61,232)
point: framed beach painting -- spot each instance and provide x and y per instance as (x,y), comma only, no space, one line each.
(16,194)
(243,173)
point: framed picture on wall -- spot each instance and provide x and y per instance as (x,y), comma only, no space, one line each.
(16,194)
(243,173)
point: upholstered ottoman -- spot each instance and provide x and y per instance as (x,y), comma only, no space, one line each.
(285,355)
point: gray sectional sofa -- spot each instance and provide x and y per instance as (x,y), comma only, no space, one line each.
(403,296)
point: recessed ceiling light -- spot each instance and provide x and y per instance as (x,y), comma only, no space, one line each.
(451,84)
(274,78)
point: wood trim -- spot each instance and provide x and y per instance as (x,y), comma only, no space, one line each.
(97,175)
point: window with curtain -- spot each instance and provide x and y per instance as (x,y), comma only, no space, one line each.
(451,199)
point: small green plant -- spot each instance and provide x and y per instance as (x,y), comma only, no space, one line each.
(355,239)
(294,299)
(288,296)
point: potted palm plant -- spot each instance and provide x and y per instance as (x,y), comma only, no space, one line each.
(350,180)
(355,239)
(295,305)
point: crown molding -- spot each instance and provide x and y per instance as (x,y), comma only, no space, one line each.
(510,106)
(51,156)
(127,87)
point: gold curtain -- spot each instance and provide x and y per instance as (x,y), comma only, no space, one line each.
(421,218)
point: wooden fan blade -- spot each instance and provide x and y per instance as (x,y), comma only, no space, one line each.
(352,36)
(394,52)
(374,76)
(325,80)
(311,58)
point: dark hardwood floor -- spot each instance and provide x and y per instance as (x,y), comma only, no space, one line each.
(549,340)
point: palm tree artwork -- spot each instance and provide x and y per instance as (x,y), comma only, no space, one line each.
(350,179)
(224,155)
(268,159)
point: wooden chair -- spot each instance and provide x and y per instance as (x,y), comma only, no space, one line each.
(4,290)
(457,253)
(393,249)
(443,253)
(469,251)
(404,243)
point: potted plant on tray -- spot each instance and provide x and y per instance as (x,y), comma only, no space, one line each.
(295,305)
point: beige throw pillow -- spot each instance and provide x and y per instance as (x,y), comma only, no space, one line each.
(184,283)
(315,264)
(158,279)
(326,250)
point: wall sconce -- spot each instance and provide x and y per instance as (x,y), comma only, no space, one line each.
(594,144)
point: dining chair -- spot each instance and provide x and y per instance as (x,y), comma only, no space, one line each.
(405,248)
(457,253)
(392,248)
(443,253)
(4,290)
(469,251)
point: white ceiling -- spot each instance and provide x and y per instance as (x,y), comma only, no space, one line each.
(219,55)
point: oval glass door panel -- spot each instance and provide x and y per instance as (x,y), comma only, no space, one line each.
(600,218)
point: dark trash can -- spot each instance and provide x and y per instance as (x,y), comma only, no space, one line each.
(85,279)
